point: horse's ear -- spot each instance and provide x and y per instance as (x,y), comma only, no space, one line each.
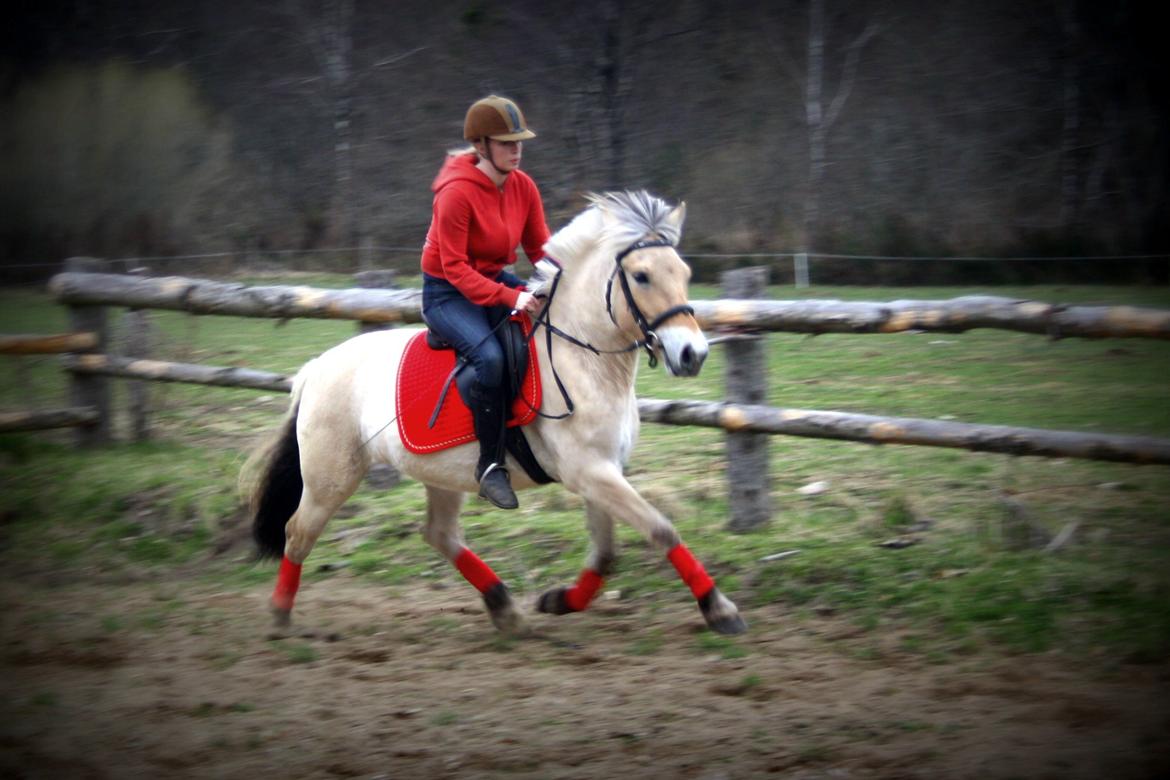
(678,216)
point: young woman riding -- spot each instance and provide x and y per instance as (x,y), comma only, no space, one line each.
(483,207)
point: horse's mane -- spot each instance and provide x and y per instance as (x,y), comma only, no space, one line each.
(633,215)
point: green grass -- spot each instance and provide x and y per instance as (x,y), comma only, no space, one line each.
(725,647)
(444,718)
(966,586)
(297,652)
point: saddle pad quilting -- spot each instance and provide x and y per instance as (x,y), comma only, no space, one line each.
(422,372)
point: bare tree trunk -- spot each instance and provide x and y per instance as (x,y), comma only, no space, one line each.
(1070,154)
(609,68)
(817,118)
(338,28)
(814,118)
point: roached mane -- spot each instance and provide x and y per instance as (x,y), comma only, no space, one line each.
(634,215)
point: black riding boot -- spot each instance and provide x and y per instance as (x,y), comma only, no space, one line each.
(489,416)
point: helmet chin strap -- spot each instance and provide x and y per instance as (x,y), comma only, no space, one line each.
(487,142)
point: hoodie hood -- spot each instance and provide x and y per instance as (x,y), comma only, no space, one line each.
(461,167)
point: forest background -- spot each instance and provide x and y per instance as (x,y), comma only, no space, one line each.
(895,127)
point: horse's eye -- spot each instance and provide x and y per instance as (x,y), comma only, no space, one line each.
(641,277)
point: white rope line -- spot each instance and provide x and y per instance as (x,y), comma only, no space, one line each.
(715,255)
(813,255)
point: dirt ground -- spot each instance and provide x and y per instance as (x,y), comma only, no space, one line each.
(181,680)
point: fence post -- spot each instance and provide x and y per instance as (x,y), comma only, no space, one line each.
(366,253)
(748,482)
(137,345)
(90,390)
(381,476)
(800,268)
(382,279)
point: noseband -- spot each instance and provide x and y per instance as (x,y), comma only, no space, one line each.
(649,336)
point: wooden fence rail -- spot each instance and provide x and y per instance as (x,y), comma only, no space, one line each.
(743,313)
(948,316)
(874,429)
(736,418)
(35,344)
(201,296)
(198,296)
(189,373)
(70,417)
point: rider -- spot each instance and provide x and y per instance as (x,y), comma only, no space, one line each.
(483,207)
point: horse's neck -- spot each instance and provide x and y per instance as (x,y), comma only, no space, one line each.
(579,309)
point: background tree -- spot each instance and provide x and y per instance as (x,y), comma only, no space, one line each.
(902,127)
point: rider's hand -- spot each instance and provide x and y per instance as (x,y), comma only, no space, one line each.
(528,302)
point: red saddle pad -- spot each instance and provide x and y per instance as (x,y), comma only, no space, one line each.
(421,375)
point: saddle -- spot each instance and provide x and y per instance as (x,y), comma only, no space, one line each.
(431,418)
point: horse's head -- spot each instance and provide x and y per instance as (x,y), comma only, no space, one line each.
(645,280)
(653,281)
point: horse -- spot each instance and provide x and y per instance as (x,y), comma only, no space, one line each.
(338,420)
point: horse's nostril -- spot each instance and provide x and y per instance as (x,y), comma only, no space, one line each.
(688,356)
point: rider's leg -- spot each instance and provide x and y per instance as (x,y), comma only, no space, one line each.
(470,328)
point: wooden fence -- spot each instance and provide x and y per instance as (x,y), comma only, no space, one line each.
(737,321)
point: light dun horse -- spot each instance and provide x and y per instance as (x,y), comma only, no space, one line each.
(340,418)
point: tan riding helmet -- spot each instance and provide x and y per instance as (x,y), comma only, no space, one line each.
(495,117)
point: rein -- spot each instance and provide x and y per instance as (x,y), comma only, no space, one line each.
(649,340)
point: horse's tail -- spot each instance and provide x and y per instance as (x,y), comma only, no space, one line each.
(271,478)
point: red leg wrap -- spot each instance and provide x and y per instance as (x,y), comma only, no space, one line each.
(476,571)
(690,570)
(287,582)
(579,596)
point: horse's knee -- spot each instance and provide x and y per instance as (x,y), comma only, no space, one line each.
(443,537)
(604,487)
(664,535)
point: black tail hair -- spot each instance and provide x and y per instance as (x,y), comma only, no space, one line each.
(279,491)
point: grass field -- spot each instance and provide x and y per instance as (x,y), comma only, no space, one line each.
(974,578)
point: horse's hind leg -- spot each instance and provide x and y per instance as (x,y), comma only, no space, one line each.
(442,532)
(323,494)
(562,600)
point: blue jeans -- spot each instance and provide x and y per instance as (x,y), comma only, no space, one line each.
(468,326)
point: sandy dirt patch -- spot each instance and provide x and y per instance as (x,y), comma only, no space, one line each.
(174,680)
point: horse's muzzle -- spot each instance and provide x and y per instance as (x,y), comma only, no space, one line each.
(684,350)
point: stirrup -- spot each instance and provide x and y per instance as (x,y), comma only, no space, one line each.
(498,494)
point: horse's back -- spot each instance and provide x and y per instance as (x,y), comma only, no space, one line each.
(355,379)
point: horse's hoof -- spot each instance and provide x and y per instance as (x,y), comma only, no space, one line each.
(502,611)
(553,602)
(721,614)
(281,618)
(508,621)
(728,625)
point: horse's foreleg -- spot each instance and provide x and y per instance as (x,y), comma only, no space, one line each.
(442,532)
(605,486)
(562,600)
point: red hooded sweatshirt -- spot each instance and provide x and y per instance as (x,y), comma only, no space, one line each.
(476,226)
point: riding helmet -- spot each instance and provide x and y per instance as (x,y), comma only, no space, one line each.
(495,117)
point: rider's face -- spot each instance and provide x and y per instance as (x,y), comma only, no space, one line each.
(505,154)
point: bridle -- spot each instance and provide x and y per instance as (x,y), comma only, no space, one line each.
(649,336)
(649,340)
